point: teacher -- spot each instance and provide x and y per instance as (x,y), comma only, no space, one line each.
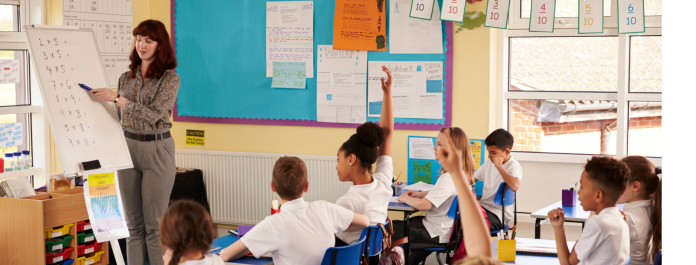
(145,98)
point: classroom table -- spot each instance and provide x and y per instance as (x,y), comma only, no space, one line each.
(408,210)
(529,259)
(228,240)
(573,214)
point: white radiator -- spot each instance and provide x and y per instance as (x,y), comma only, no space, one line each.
(239,183)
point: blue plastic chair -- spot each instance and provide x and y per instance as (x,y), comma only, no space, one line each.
(452,213)
(347,255)
(505,197)
(373,241)
(658,258)
(478,189)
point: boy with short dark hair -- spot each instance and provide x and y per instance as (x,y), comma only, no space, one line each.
(605,238)
(500,167)
(302,231)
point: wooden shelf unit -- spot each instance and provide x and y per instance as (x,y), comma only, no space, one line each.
(24,221)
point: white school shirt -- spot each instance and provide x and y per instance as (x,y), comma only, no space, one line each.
(492,179)
(208,259)
(300,233)
(639,220)
(371,199)
(441,196)
(604,240)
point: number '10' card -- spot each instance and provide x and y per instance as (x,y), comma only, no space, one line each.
(590,16)
(453,10)
(497,14)
(542,16)
(422,9)
(631,16)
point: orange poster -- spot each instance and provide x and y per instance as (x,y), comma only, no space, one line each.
(360,25)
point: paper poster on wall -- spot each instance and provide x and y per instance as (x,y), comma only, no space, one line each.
(591,18)
(9,71)
(341,87)
(289,75)
(421,148)
(112,23)
(11,134)
(195,137)
(360,25)
(543,15)
(478,150)
(104,205)
(416,89)
(422,165)
(411,35)
(290,34)
(631,16)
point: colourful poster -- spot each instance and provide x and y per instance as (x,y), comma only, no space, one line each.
(421,172)
(360,25)
(104,205)
(478,150)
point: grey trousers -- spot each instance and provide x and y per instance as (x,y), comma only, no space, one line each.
(145,190)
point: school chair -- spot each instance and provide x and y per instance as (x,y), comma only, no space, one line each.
(452,213)
(373,241)
(347,255)
(478,188)
(658,258)
(505,197)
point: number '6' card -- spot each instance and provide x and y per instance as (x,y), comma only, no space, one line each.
(453,10)
(631,16)
(590,16)
(542,16)
(422,9)
(497,14)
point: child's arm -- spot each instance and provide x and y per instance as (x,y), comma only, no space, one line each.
(476,234)
(418,194)
(234,251)
(557,221)
(387,117)
(420,204)
(359,222)
(511,181)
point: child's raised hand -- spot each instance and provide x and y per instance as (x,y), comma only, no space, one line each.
(449,157)
(386,85)
(557,217)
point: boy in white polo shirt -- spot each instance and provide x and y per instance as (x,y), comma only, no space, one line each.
(605,238)
(500,167)
(302,231)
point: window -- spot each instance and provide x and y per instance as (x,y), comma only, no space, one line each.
(581,94)
(8,18)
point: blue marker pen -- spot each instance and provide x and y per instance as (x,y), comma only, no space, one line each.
(85,87)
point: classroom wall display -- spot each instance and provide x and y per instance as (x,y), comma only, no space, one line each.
(84,128)
(631,16)
(543,16)
(416,89)
(11,134)
(591,16)
(341,87)
(413,35)
(497,12)
(422,165)
(453,10)
(290,35)
(423,9)
(9,71)
(223,70)
(360,25)
(104,205)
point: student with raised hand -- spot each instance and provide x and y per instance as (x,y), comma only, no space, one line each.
(475,232)
(371,191)
(302,231)
(435,227)
(186,234)
(638,206)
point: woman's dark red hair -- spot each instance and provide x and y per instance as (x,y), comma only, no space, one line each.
(165,59)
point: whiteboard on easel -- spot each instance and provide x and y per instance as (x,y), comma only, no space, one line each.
(84,128)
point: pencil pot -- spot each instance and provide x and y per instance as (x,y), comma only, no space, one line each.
(569,198)
(507,250)
(398,188)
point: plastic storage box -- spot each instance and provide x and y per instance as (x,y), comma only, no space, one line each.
(84,237)
(58,243)
(83,225)
(57,232)
(88,248)
(91,259)
(58,257)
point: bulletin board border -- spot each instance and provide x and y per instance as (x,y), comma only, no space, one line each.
(449,65)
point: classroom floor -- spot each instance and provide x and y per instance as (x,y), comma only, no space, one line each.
(524,230)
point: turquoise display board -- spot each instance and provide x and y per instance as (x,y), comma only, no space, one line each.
(220,47)
(424,170)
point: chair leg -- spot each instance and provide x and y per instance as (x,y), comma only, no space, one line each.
(437,255)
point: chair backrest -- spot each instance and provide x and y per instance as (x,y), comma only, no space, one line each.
(658,258)
(373,241)
(478,188)
(348,255)
(452,213)
(509,195)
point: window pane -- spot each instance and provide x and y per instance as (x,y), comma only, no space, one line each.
(13,92)
(563,126)
(653,7)
(645,129)
(564,8)
(646,64)
(564,64)
(7,17)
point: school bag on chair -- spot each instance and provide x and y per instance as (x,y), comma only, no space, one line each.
(392,254)
(457,238)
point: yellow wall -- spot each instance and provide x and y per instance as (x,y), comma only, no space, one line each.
(474,77)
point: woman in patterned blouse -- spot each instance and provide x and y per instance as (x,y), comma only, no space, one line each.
(145,98)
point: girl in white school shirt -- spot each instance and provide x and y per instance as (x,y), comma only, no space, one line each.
(435,227)
(186,233)
(371,191)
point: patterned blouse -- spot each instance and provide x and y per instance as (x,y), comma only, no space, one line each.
(150,102)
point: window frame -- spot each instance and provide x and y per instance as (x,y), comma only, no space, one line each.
(519,28)
(29,12)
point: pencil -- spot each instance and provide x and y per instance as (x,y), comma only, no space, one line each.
(397,178)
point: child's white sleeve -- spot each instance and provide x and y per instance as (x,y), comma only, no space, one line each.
(444,189)
(340,217)
(260,239)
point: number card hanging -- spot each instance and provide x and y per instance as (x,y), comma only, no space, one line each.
(422,9)
(543,16)
(591,16)
(631,16)
(497,14)
(453,10)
